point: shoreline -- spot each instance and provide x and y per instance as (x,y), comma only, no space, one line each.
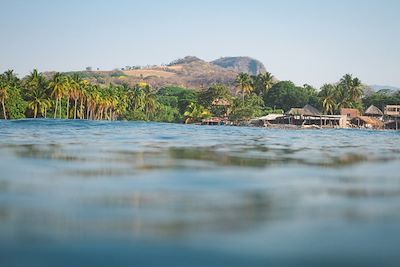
(249,125)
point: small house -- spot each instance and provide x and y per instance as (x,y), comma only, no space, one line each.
(392,110)
(350,113)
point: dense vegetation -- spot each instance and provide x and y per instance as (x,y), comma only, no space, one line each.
(71,96)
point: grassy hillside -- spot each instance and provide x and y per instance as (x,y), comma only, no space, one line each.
(189,72)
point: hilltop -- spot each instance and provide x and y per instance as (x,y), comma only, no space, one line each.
(190,72)
(241,64)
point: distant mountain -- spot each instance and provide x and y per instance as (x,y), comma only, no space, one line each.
(240,64)
(380,87)
(190,72)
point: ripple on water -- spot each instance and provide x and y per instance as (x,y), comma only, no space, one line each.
(66,184)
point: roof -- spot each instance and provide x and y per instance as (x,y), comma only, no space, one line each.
(296,111)
(307,110)
(372,110)
(310,110)
(214,119)
(270,117)
(372,121)
(220,102)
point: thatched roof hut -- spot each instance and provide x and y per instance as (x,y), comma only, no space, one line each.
(368,122)
(311,111)
(307,110)
(373,111)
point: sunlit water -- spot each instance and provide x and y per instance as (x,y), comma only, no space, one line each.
(80,193)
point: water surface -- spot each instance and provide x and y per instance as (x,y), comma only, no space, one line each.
(82,193)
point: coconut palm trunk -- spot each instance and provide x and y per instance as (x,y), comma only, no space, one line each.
(81,115)
(55,109)
(76,102)
(4,109)
(60,107)
(67,108)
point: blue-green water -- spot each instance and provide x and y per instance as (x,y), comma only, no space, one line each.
(79,193)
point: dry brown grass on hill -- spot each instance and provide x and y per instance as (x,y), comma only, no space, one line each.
(149,73)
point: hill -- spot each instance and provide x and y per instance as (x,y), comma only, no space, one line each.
(190,72)
(241,64)
(380,87)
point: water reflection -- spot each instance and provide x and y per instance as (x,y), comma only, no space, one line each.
(75,182)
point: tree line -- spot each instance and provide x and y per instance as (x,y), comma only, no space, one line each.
(71,96)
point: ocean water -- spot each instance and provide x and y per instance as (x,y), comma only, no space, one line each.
(84,193)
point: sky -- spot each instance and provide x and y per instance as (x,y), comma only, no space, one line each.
(306,41)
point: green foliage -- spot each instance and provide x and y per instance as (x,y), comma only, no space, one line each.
(244,84)
(166,100)
(15,104)
(252,106)
(167,113)
(263,82)
(216,91)
(184,96)
(195,113)
(381,98)
(71,96)
(135,115)
(286,95)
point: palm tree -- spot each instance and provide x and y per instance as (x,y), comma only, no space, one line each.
(38,101)
(264,82)
(244,84)
(69,82)
(352,86)
(195,112)
(4,87)
(150,102)
(136,96)
(11,78)
(75,92)
(57,86)
(327,94)
(82,97)
(356,90)
(342,97)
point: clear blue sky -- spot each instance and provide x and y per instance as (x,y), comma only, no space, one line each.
(310,41)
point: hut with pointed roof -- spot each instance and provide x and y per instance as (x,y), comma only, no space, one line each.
(373,111)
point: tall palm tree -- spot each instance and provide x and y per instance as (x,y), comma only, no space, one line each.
(352,86)
(4,87)
(136,96)
(38,101)
(11,78)
(82,97)
(150,103)
(327,94)
(244,84)
(342,97)
(68,91)
(356,90)
(75,91)
(57,85)
(264,82)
